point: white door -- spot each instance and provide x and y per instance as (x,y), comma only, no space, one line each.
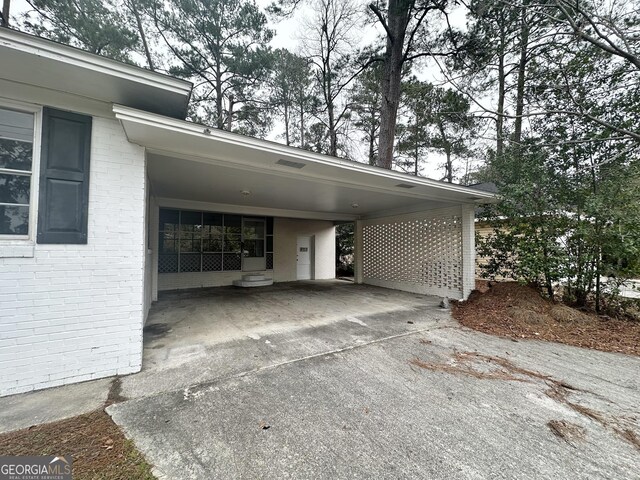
(304,258)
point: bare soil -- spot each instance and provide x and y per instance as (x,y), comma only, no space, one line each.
(516,311)
(98,447)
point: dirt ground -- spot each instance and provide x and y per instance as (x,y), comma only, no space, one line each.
(512,310)
(97,445)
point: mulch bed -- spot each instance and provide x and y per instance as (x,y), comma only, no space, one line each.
(98,447)
(516,311)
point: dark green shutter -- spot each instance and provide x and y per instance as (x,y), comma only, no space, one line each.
(64,177)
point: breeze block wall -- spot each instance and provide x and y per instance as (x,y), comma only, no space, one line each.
(70,313)
(429,252)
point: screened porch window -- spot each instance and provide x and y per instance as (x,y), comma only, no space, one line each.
(191,241)
(16,162)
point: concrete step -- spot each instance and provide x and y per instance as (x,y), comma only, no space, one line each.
(253,283)
(252,277)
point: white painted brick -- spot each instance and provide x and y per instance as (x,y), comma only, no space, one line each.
(71,313)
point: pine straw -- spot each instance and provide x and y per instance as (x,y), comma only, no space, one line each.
(512,310)
(98,447)
(489,367)
(567,431)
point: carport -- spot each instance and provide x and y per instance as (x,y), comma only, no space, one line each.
(199,335)
(412,234)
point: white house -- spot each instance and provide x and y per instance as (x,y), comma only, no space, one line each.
(108,196)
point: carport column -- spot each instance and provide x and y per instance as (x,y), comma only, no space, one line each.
(468,249)
(359,254)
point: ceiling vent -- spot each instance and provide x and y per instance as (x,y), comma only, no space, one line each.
(289,163)
(405,185)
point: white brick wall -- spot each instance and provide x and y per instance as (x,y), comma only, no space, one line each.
(74,312)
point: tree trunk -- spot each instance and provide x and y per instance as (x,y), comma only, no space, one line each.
(143,36)
(372,146)
(219,106)
(301,125)
(230,117)
(522,65)
(333,136)
(286,123)
(397,21)
(501,95)
(6,7)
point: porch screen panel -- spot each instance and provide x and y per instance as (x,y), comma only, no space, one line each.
(419,252)
(232,243)
(269,257)
(195,241)
(212,242)
(168,241)
(190,241)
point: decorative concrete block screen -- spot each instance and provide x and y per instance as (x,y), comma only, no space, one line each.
(420,253)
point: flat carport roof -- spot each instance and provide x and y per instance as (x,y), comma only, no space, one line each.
(191,162)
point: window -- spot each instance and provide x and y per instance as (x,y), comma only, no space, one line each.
(16,168)
(191,241)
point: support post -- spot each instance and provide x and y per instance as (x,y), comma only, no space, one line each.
(468,250)
(359,254)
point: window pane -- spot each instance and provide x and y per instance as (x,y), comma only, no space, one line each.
(14,220)
(253,248)
(212,244)
(190,221)
(269,225)
(270,243)
(168,243)
(169,220)
(189,244)
(16,125)
(212,230)
(212,219)
(15,154)
(14,188)
(253,229)
(231,243)
(232,224)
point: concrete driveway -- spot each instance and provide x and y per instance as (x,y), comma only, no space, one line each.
(386,386)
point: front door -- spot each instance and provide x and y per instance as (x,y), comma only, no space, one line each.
(253,244)
(304,258)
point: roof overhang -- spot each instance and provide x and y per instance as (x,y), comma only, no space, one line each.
(32,60)
(187,161)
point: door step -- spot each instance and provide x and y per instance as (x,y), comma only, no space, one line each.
(253,280)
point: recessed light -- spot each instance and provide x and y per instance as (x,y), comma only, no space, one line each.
(354,205)
(246,193)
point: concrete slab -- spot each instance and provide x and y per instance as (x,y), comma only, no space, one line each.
(44,406)
(198,336)
(371,412)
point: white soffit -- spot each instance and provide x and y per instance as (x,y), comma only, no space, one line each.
(32,60)
(181,155)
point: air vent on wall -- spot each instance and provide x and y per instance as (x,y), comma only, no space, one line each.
(289,163)
(404,185)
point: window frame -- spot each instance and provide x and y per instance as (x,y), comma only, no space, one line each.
(36,111)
